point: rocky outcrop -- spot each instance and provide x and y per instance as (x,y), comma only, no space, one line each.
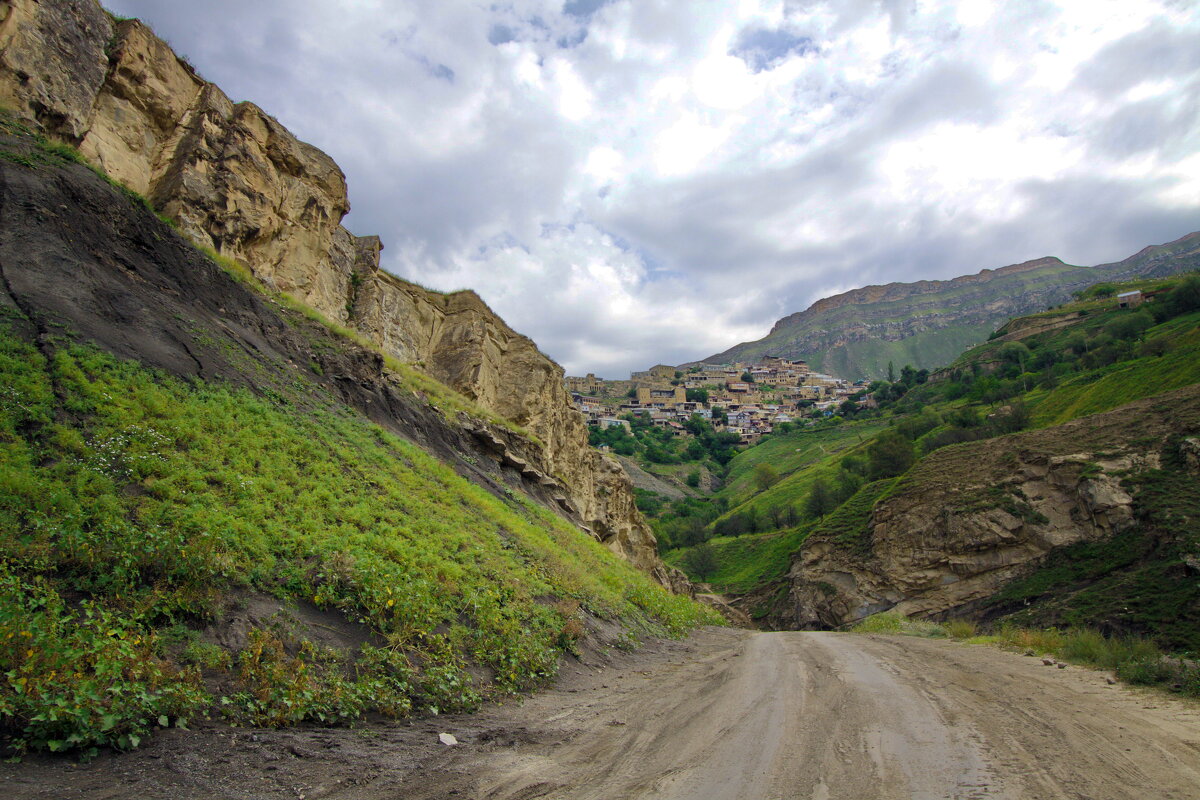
(971,518)
(238,182)
(928,323)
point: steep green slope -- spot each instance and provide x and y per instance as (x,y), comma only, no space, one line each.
(753,532)
(132,502)
(213,503)
(927,323)
(745,563)
(789,454)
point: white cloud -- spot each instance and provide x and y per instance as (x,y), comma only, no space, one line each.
(637,181)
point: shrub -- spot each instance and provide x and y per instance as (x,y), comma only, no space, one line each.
(765,476)
(960,629)
(884,622)
(701,561)
(889,455)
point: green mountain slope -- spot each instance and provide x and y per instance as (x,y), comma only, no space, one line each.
(928,323)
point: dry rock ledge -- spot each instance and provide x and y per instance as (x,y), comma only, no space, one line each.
(969,519)
(238,181)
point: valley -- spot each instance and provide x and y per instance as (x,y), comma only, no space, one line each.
(275,522)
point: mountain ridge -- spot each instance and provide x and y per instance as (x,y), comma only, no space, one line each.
(855,334)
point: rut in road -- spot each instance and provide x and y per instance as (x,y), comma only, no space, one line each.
(757,716)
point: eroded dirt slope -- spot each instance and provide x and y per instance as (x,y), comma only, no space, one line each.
(727,714)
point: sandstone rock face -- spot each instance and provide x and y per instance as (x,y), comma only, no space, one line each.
(237,181)
(53,61)
(941,551)
(971,518)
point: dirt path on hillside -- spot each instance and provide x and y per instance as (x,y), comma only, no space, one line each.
(728,714)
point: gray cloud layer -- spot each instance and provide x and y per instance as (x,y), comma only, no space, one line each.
(630,184)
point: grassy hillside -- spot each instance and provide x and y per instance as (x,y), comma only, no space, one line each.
(134,505)
(752,532)
(798,457)
(1089,357)
(789,453)
(869,358)
(745,563)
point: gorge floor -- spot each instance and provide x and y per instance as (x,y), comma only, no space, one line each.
(727,714)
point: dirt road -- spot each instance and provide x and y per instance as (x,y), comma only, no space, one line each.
(726,715)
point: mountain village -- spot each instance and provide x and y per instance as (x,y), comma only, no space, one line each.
(748,399)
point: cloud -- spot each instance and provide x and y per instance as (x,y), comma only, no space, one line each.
(766,48)
(630,184)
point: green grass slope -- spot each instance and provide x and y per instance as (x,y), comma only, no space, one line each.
(132,505)
(800,458)
(790,454)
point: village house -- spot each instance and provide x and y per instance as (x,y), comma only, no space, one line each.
(1131,299)
(661,398)
(659,372)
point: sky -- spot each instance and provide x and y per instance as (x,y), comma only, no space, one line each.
(632,182)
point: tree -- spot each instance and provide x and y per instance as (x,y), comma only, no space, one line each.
(697,395)
(1018,354)
(765,476)
(1015,353)
(747,377)
(1129,326)
(1012,418)
(889,455)
(820,499)
(1185,297)
(693,478)
(891,372)
(701,560)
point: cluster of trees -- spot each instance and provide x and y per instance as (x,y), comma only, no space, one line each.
(885,393)
(685,522)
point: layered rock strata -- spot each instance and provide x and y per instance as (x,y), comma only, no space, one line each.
(235,180)
(971,518)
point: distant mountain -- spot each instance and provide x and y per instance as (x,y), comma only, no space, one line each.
(928,323)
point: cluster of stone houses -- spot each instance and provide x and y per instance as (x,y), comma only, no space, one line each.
(746,398)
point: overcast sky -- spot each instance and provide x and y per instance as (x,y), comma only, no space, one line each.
(633,181)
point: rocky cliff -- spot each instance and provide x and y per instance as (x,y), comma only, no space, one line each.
(235,180)
(969,519)
(928,323)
